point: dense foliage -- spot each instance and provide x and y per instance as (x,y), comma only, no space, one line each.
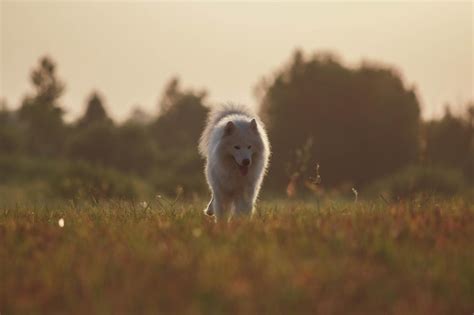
(359,124)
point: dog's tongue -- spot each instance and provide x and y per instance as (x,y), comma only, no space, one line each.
(243,170)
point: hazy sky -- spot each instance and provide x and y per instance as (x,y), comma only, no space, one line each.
(129,50)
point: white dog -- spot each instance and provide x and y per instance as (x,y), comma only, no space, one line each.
(237,150)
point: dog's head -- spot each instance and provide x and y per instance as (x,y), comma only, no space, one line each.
(242,143)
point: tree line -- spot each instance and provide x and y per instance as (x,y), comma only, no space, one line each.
(358,124)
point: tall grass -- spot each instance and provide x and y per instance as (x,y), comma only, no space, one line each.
(165,256)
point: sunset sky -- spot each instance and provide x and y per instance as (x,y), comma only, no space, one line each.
(129,50)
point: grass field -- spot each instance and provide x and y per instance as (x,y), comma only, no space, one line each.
(412,257)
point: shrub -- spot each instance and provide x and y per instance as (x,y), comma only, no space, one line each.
(416,180)
(66,179)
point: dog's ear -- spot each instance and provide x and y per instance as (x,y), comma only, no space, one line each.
(229,128)
(253,125)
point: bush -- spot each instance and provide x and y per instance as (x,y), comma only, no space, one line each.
(66,179)
(178,169)
(416,180)
(82,179)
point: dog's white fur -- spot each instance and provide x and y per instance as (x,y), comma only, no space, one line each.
(234,136)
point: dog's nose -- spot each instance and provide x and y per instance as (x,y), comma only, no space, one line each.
(245,162)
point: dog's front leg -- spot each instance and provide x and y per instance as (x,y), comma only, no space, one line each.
(244,205)
(220,206)
(210,207)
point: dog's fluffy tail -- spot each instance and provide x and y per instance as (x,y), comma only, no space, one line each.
(215,116)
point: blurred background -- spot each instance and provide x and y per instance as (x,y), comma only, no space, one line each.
(107,99)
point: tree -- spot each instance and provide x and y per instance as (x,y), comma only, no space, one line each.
(95,111)
(450,141)
(170,94)
(139,116)
(135,149)
(41,114)
(98,140)
(182,117)
(95,143)
(176,132)
(360,123)
(94,138)
(470,132)
(10,136)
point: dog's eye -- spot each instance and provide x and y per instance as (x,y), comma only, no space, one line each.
(236,147)
(249,147)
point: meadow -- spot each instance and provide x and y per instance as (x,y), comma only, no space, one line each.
(368,205)
(293,257)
